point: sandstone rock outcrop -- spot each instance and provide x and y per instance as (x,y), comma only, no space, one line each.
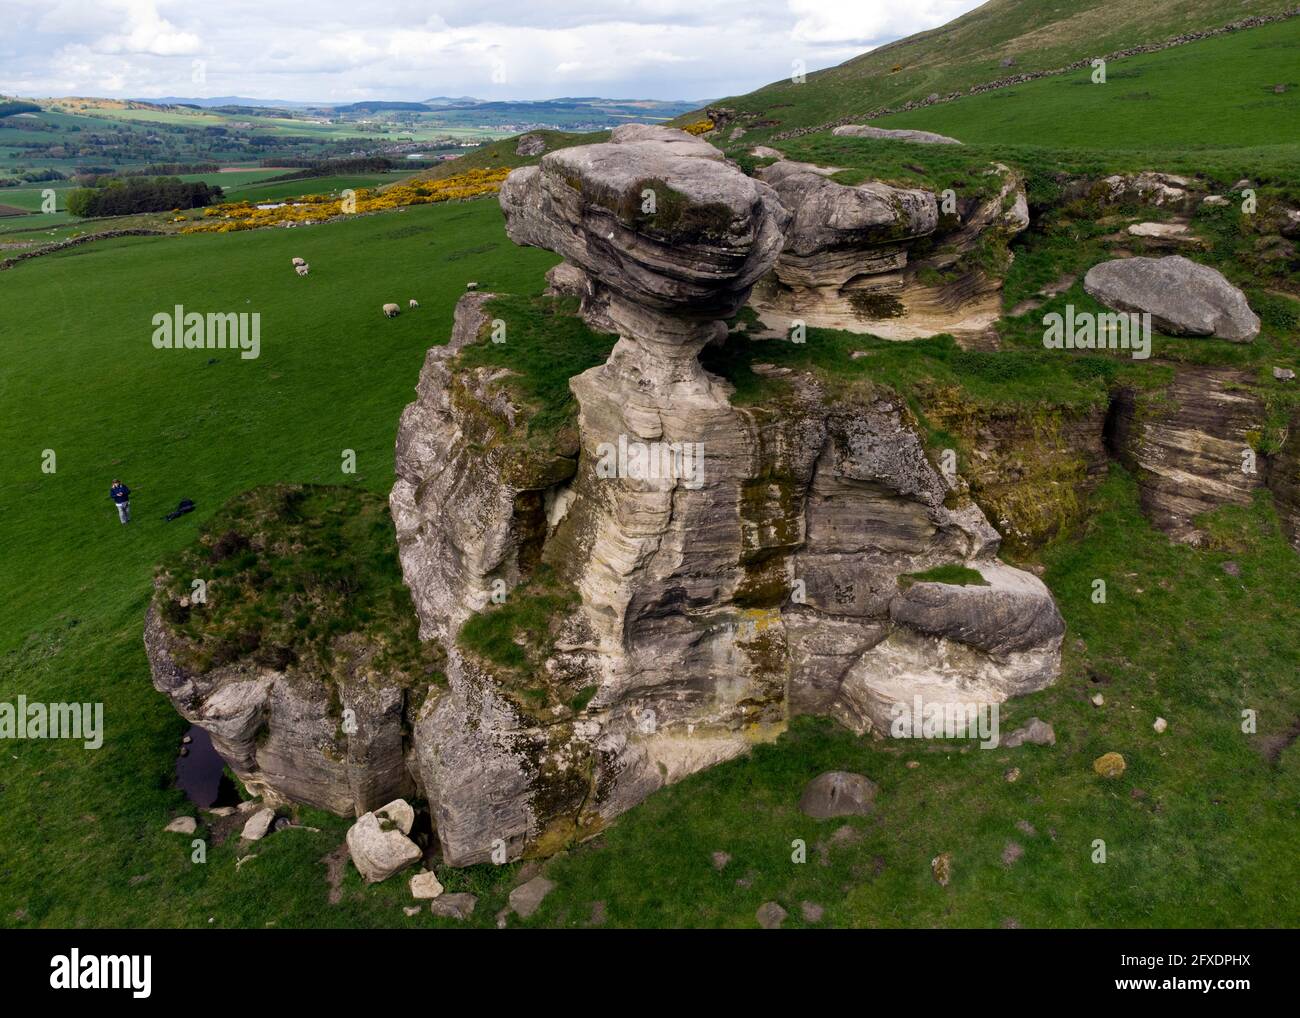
(280,732)
(289,726)
(850,259)
(1187,445)
(1183,297)
(725,567)
(887,134)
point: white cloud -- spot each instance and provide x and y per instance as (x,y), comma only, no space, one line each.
(398,49)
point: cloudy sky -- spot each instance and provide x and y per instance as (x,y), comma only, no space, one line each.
(343,50)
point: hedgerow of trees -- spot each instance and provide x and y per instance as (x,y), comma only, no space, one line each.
(126,197)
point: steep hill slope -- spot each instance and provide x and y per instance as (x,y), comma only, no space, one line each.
(1034,35)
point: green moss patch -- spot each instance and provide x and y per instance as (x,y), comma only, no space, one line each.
(953,573)
(292,572)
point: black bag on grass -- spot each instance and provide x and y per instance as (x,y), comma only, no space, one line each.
(186,506)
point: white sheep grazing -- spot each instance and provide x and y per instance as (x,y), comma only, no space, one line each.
(302,269)
(414,303)
(392,310)
(299,261)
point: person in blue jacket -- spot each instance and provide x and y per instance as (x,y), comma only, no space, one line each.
(121,496)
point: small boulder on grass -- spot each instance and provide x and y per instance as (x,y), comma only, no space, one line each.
(770,915)
(838,794)
(1040,733)
(425,885)
(182,825)
(454,906)
(527,898)
(257,826)
(378,843)
(1109,765)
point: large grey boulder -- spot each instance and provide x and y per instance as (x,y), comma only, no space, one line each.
(1183,297)
(887,134)
(1012,611)
(281,735)
(838,794)
(379,845)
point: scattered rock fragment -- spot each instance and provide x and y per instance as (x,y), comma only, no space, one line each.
(1160,725)
(1040,733)
(1284,374)
(425,885)
(838,794)
(1012,775)
(941,867)
(720,860)
(527,898)
(459,905)
(257,826)
(182,825)
(1098,699)
(811,911)
(771,915)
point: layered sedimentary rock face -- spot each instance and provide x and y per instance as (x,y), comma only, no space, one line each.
(850,259)
(1190,446)
(303,699)
(725,567)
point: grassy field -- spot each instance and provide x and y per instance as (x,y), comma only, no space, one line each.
(264,190)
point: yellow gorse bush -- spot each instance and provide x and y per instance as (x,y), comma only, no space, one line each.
(313,208)
(699,127)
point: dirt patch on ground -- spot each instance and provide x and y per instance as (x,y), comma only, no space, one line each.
(1271,747)
(335,863)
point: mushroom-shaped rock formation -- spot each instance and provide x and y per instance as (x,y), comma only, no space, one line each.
(700,572)
(670,236)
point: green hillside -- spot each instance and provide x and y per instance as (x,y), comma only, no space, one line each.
(1214,94)
(1037,35)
